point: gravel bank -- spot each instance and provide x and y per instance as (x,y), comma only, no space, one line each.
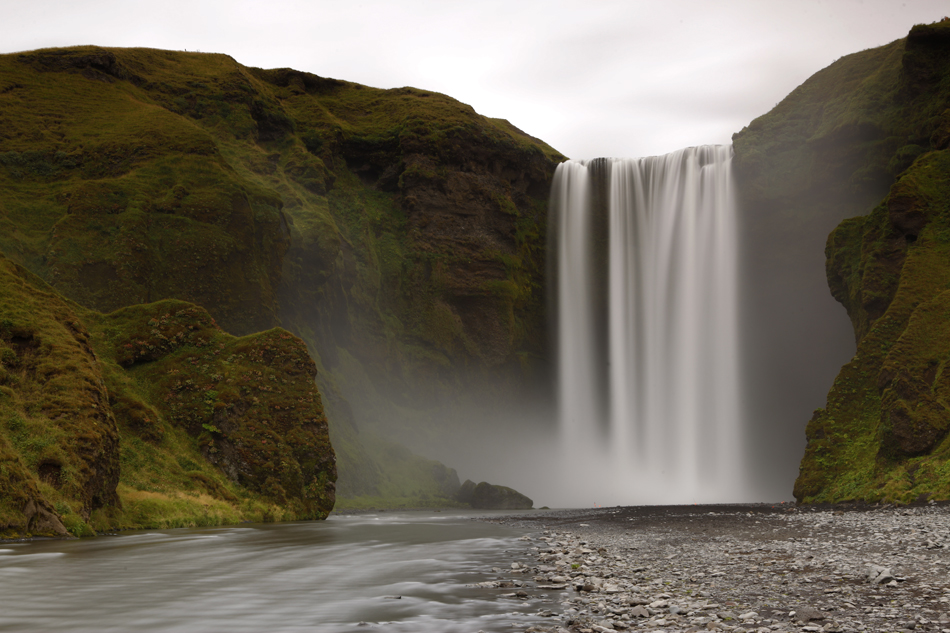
(759,568)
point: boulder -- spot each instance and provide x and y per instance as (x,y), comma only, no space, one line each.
(466,492)
(486,496)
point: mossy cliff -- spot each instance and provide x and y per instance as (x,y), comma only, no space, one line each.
(151,416)
(874,124)
(398,232)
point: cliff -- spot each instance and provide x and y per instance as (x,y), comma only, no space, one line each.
(397,232)
(872,125)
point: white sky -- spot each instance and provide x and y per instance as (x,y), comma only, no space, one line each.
(595,78)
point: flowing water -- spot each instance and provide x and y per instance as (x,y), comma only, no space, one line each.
(648,366)
(309,576)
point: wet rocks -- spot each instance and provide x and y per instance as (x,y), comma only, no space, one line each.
(761,569)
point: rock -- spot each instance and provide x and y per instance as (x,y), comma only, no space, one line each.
(465,492)
(807,614)
(446,478)
(486,496)
(878,575)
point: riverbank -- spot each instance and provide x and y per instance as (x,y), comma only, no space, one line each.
(740,568)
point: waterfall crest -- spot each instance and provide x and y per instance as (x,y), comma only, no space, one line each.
(648,359)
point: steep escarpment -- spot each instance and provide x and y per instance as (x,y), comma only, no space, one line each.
(882,433)
(830,150)
(398,232)
(151,416)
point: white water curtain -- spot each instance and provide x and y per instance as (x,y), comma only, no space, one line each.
(665,428)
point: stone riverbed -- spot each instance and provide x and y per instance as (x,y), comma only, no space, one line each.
(761,568)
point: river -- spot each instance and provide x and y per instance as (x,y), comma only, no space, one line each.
(398,572)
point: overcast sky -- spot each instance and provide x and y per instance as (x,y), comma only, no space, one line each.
(596,78)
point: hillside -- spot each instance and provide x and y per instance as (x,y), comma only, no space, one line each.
(397,232)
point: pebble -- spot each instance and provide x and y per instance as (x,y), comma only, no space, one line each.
(776,569)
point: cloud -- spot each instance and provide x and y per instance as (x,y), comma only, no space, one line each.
(591,79)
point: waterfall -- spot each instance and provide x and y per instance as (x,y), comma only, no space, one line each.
(648,361)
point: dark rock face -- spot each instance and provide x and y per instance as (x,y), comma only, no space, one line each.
(883,432)
(447,479)
(486,496)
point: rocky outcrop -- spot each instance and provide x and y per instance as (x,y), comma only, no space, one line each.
(486,496)
(105,419)
(820,156)
(251,403)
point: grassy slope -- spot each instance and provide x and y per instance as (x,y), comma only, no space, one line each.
(119,420)
(135,175)
(874,118)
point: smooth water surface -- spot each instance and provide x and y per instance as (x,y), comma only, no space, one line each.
(307,576)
